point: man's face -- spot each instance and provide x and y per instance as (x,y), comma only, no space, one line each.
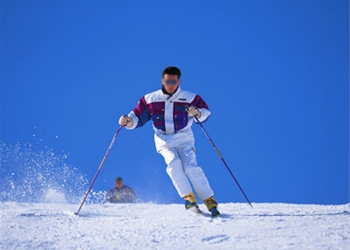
(119,184)
(170,83)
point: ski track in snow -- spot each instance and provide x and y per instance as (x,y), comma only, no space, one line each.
(155,226)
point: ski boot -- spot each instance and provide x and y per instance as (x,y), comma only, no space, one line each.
(212,206)
(191,202)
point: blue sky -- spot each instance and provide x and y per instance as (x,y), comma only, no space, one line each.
(275,75)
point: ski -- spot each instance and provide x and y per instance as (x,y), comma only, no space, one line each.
(197,210)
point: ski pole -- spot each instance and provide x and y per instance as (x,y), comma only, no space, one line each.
(217,151)
(99,169)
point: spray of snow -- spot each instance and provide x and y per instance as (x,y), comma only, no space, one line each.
(38,175)
(53,196)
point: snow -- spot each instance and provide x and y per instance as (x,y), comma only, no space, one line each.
(40,192)
(53,225)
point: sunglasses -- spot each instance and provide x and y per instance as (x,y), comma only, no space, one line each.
(173,82)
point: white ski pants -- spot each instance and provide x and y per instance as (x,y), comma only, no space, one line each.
(182,169)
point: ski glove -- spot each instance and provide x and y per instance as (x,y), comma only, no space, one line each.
(193,111)
(126,121)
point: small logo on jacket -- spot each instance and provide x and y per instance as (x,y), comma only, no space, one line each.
(182,99)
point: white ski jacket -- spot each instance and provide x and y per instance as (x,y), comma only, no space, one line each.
(171,122)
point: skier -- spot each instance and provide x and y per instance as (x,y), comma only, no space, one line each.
(120,193)
(171,110)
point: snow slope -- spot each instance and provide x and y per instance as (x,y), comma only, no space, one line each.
(33,215)
(155,226)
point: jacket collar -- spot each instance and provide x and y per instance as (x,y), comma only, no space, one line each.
(177,91)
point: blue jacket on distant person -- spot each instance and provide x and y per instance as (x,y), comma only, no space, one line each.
(120,193)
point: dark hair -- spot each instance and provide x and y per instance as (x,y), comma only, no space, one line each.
(172,70)
(118,179)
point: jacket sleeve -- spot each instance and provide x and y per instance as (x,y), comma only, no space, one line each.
(133,198)
(140,115)
(199,103)
(109,195)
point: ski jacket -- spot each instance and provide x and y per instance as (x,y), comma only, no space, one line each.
(124,194)
(170,120)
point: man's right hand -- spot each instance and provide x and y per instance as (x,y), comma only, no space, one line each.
(125,121)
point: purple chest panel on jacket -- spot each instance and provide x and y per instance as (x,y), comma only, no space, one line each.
(180,115)
(156,110)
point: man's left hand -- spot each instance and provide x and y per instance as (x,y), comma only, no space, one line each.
(193,111)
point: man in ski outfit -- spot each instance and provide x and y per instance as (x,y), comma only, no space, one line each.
(171,110)
(120,193)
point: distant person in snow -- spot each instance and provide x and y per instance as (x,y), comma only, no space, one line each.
(171,110)
(120,193)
